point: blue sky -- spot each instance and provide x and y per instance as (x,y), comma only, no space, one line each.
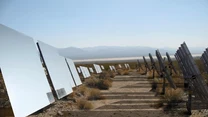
(87,23)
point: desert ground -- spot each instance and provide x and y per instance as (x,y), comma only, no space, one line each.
(129,96)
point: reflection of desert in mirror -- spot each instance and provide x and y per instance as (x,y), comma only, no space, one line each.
(109,58)
(5,109)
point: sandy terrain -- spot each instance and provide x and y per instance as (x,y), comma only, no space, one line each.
(129,96)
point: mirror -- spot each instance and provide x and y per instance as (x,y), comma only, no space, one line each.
(57,68)
(23,74)
(74,71)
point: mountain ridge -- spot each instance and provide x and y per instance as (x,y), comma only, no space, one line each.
(116,51)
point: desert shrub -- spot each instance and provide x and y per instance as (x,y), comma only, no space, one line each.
(126,72)
(83,104)
(158,104)
(104,75)
(179,82)
(120,72)
(171,98)
(104,84)
(112,75)
(99,83)
(172,95)
(81,89)
(130,70)
(94,94)
(91,82)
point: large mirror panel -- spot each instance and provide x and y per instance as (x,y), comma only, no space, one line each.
(74,71)
(58,69)
(23,74)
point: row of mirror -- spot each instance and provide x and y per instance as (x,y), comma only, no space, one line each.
(35,75)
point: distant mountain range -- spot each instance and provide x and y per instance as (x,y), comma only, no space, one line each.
(116,52)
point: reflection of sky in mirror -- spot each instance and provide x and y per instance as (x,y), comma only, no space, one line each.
(23,73)
(74,72)
(91,70)
(57,67)
(78,69)
(83,71)
(87,72)
(97,68)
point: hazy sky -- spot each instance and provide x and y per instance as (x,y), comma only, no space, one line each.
(87,23)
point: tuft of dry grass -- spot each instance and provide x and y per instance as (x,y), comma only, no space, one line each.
(126,72)
(104,84)
(83,104)
(120,72)
(130,70)
(94,94)
(173,96)
(91,82)
(111,74)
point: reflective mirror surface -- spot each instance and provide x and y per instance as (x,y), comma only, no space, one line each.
(78,69)
(74,72)
(111,68)
(24,77)
(58,70)
(119,66)
(87,72)
(91,70)
(83,71)
(102,67)
(125,65)
(97,68)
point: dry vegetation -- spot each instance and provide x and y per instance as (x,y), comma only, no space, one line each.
(90,90)
(82,94)
(103,82)
(84,104)
(123,71)
(94,94)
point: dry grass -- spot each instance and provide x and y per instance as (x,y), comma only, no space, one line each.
(91,82)
(104,84)
(171,98)
(126,72)
(120,72)
(130,70)
(112,74)
(107,75)
(87,93)
(83,104)
(94,94)
(172,95)
(82,89)
(104,75)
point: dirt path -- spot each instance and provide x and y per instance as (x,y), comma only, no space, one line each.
(129,96)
